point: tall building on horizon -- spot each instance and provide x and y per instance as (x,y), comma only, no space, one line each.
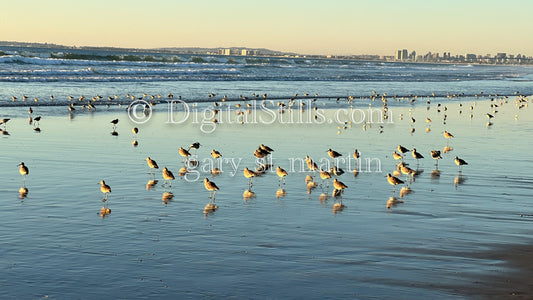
(402,55)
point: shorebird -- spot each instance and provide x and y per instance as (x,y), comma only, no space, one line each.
(417,155)
(135,130)
(106,189)
(215,154)
(23,170)
(407,171)
(4,122)
(397,156)
(266,148)
(311,164)
(167,175)
(261,153)
(448,136)
(336,171)
(212,188)
(249,174)
(435,154)
(325,175)
(184,153)
(394,181)
(356,154)
(114,122)
(152,164)
(402,149)
(36,121)
(339,187)
(333,154)
(460,162)
(30,111)
(281,173)
(194,146)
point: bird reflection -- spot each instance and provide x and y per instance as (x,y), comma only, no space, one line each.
(338,207)
(281,193)
(4,132)
(210,208)
(151,184)
(458,180)
(323,197)
(167,197)
(311,185)
(435,174)
(248,194)
(215,171)
(447,149)
(114,133)
(405,191)
(23,192)
(393,201)
(104,211)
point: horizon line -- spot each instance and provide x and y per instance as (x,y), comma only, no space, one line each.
(235,47)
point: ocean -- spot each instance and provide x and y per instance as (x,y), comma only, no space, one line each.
(436,242)
(39,73)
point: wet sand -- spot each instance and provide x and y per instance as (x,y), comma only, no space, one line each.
(513,280)
(440,242)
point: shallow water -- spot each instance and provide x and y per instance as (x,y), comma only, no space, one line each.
(53,243)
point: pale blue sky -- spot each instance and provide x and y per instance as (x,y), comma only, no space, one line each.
(308,27)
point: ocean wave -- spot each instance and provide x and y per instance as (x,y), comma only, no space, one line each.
(121,71)
(17,59)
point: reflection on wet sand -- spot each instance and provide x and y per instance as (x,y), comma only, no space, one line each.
(393,201)
(167,197)
(23,192)
(151,184)
(458,180)
(435,174)
(405,191)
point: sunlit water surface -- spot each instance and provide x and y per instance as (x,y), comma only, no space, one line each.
(53,243)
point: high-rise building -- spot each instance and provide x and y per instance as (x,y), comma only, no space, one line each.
(402,55)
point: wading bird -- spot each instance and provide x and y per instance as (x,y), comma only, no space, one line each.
(460,162)
(168,176)
(23,170)
(394,181)
(212,188)
(152,164)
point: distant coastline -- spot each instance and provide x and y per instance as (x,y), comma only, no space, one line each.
(262,52)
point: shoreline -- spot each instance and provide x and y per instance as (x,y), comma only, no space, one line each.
(514,279)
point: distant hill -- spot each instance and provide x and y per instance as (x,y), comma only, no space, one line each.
(191,50)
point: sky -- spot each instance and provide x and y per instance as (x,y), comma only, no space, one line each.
(333,27)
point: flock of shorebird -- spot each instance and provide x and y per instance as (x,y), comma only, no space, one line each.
(263,151)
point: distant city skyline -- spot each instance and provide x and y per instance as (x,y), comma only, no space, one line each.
(341,27)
